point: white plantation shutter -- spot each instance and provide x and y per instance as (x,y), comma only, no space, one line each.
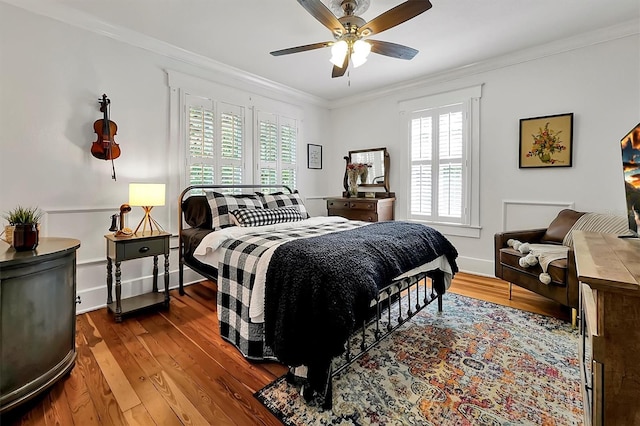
(421,189)
(231,143)
(268,147)
(450,165)
(421,153)
(437,141)
(201,141)
(288,146)
(277,146)
(215,137)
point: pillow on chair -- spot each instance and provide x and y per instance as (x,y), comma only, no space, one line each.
(560,226)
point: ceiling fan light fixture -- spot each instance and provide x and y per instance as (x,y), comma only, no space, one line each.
(349,30)
(338,53)
(361,50)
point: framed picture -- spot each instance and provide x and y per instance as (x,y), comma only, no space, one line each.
(546,141)
(314,156)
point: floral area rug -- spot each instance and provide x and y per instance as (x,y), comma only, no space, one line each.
(476,363)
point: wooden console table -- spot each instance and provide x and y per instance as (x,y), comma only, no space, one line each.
(38,318)
(609,271)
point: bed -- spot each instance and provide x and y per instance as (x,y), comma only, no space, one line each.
(307,291)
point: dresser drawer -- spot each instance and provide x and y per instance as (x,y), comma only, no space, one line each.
(362,215)
(135,249)
(363,205)
(337,204)
(354,214)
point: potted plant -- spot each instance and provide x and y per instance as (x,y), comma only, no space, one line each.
(22,232)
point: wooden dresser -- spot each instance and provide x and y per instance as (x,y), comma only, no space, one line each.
(365,209)
(609,272)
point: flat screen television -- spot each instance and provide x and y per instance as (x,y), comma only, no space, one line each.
(631,170)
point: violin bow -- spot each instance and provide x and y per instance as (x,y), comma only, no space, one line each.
(113,166)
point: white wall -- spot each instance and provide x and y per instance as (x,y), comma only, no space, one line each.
(51,77)
(599,83)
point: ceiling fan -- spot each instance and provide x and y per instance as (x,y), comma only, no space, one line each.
(350,30)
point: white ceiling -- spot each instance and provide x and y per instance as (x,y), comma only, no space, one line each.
(452,34)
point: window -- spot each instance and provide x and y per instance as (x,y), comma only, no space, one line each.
(277,146)
(230,137)
(437,158)
(215,137)
(442,134)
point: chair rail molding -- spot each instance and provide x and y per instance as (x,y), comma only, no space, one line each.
(544,206)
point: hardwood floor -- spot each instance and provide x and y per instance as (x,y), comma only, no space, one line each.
(171,367)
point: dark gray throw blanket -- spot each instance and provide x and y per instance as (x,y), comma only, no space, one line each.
(318,289)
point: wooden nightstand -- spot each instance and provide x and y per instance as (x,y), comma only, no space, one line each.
(135,247)
(365,209)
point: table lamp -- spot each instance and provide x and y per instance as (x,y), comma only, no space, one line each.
(147,195)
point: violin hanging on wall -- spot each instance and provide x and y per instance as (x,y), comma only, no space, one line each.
(105,147)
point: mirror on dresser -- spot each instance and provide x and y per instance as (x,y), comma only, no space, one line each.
(371,201)
(377,176)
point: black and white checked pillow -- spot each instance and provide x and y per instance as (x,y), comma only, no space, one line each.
(280,199)
(223,204)
(261,217)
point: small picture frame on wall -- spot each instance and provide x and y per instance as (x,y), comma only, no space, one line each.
(314,156)
(546,141)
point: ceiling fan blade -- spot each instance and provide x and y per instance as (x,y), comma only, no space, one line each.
(318,10)
(339,72)
(301,48)
(392,49)
(392,17)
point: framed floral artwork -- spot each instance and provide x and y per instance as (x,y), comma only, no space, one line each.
(546,141)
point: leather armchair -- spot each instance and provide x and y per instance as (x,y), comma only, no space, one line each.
(564,286)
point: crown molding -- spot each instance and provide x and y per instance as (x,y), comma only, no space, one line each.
(603,35)
(90,23)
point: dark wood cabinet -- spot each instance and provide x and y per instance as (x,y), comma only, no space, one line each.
(365,209)
(38,318)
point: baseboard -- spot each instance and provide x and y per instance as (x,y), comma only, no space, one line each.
(96,297)
(476,266)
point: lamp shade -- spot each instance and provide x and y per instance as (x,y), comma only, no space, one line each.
(146,194)
(361,50)
(339,51)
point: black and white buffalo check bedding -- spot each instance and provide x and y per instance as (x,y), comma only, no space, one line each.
(262,217)
(236,276)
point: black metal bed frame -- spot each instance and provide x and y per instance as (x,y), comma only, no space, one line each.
(373,330)
(186,191)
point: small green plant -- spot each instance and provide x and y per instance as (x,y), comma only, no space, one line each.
(23,215)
